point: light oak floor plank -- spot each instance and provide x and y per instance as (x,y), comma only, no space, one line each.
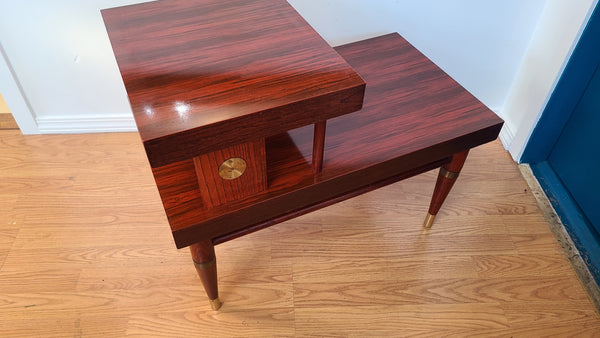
(85,250)
(7,121)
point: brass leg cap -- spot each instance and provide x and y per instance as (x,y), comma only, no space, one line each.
(215,304)
(429,220)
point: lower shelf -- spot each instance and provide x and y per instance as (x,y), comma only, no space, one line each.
(326,201)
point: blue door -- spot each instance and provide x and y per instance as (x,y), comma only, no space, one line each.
(575,157)
(564,149)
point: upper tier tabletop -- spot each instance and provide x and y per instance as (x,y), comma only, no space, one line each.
(206,74)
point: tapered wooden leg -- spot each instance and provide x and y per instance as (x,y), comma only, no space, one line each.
(203,254)
(446,178)
(319,146)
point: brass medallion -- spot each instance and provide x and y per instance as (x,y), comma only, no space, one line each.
(232,168)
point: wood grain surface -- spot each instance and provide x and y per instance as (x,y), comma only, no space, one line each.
(86,251)
(7,121)
(444,183)
(415,117)
(205,75)
(215,190)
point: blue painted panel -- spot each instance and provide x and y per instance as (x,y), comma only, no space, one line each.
(576,155)
(564,151)
(565,97)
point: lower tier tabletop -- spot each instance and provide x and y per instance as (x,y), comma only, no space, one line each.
(414,118)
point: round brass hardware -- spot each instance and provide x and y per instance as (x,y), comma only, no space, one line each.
(232,168)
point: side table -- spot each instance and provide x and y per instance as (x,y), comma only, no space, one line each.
(249,118)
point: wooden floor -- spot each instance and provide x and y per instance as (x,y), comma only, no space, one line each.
(7,121)
(85,250)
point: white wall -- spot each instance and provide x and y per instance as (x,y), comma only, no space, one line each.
(13,93)
(479,43)
(61,56)
(558,31)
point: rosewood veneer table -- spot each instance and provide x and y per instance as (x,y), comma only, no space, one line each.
(249,118)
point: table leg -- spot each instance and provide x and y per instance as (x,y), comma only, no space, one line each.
(203,254)
(446,178)
(318,146)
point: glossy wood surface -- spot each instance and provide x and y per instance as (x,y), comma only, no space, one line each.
(204,75)
(205,261)
(444,184)
(414,115)
(216,190)
(319,146)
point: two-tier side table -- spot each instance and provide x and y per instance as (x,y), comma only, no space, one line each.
(249,118)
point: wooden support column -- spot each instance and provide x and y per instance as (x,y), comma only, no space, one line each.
(232,173)
(318,146)
(446,178)
(203,254)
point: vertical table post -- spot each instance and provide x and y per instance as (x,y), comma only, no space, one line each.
(446,178)
(319,146)
(203,254)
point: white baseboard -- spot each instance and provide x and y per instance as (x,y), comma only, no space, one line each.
(85,124)
(506,136)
